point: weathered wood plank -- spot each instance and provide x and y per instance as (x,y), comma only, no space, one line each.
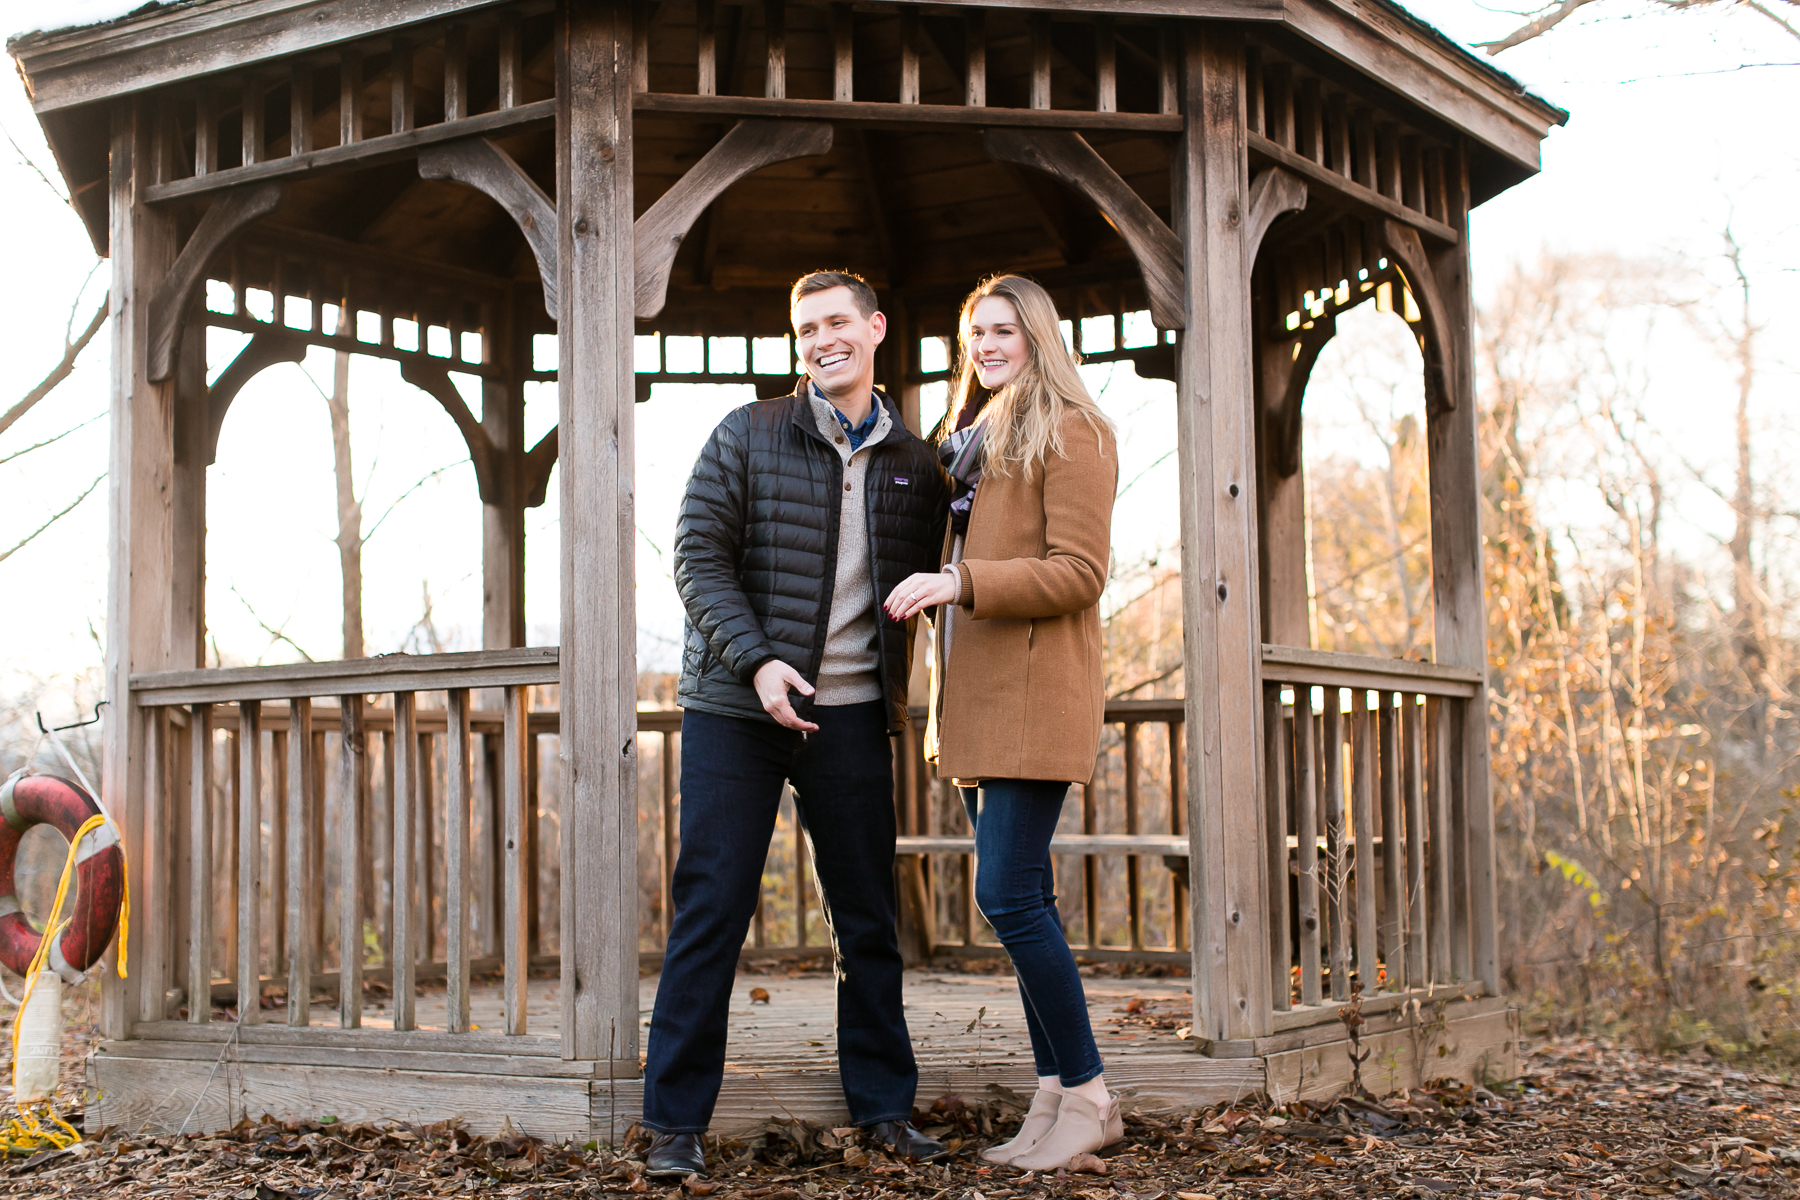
(904,116)
(1306,823)
(303,952)
(1274,191)
(392,672)
(1362,817)
(405,791)
(513,930)
(170,302)
(349,842)
(457,946)
(1220,621)
(1413,737)
(249,863)
(1359,199)
(599,626)
(1470,1049)
(1393,840)
(1298,665)
(1275,802)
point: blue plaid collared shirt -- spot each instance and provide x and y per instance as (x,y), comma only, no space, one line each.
(857,433)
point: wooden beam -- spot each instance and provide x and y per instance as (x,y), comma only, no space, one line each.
(599,618)
(391,147)
(169,304)
(975,59)
(1221,627)
(1068,157)
(901,115)
(434,381)
(775,42)
(1361,200)
(484,166)
(747,148)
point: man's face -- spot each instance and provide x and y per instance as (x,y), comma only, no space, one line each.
(837,343)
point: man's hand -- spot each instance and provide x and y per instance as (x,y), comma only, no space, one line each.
(773,679)
(917,593)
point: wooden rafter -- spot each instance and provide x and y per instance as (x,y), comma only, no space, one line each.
(229,214)
(484,166)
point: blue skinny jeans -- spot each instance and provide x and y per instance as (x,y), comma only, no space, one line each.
(1015,888)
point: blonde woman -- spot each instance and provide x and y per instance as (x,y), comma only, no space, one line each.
(1017,702)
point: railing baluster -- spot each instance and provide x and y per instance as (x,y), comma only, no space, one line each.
(456,854)
(350,943)
(251,126)
(1306,824)
(513,928)
(512,59)
(706,49)
(1275,847)
(350,97)
(1362,800)
(533,867)
(1040,59)
(1106,66)
(424,851)
(316,839)
(909,55)
(1178,900)
(400,86)
(385,913)
(800,883)
(403,754)
(1090,881)
(1134,895)
(303,950)
(300,108)
(228,848)
(1393,861)
(206,132)
(277,891)
(1436,718)
(775,37)
(198,981)
(1168,53)
(1253,90)
(1461,928)
(1416,973)
(158,809)
(1278,86)
(975,59)
(456,73)
(1333,755)
(249,859)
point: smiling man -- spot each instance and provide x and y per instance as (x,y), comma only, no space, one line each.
(799,514)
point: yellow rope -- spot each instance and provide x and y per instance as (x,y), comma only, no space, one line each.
(24,1135)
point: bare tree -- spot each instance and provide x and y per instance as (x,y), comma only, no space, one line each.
(349,508)
(1784,13)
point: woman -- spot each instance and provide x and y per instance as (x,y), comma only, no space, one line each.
(1017,702)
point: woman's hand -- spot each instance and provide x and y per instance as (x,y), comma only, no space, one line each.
(919,592)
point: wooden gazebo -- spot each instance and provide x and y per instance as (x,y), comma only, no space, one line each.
(437,182)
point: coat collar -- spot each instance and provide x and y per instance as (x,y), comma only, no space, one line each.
(803,419)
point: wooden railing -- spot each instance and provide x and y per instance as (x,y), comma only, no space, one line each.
(1369,844)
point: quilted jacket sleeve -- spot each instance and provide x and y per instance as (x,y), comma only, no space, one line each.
(708,542)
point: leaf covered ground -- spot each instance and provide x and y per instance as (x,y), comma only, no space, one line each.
(1588,1119)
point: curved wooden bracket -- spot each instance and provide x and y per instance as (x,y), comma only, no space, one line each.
(263,351)
(1273,192)
(1067,156)
(435,382)
(538,461)
(229,213)
(1287,366)
(750,146)
(487,168)
(1435,342)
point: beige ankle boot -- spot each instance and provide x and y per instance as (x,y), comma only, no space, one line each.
(1038,1121)
(1081,1128)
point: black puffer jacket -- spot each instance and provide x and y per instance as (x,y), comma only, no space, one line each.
(756,550)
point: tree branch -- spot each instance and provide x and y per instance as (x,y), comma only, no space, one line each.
(47,441)
(32,536)
(1536,28)
(60,372)
(275,634)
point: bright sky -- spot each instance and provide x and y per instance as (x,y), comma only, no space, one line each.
(1667,142)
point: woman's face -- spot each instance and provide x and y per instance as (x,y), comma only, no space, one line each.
(996,342)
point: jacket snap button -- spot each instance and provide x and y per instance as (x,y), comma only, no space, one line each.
(840,440)
(846,487)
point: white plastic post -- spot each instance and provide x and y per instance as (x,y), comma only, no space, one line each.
(40,1041)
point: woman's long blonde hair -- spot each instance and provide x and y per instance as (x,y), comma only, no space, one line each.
(1024,419)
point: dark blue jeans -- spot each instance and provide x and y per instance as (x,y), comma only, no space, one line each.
(1015,887)
(732,770)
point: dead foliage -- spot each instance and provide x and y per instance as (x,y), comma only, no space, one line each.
(1589,1119)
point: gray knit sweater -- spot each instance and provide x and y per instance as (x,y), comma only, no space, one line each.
(850,670)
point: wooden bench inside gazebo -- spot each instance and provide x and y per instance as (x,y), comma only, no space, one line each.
(408,887)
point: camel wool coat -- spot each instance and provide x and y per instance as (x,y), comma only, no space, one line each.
(1022,695)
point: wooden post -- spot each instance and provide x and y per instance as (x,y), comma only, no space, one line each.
(456,858)
(198,979)
(303,948)
(1222,636)
(404,752)
(139,532)
(159,805)
(599,619)
(1458,584)
(512,928)
(249,860)
(350,914)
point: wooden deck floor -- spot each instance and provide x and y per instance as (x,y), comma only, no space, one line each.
(968,1031)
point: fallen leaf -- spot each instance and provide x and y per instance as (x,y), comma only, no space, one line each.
(1195,1196)
(759,995)
(1136,1005)
(695,1186)
(1185,1032)
(1087,1164)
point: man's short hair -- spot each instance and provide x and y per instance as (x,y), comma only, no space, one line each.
(824,281)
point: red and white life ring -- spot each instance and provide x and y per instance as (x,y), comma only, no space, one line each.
(28,800)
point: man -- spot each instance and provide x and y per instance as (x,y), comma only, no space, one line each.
(799,515)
